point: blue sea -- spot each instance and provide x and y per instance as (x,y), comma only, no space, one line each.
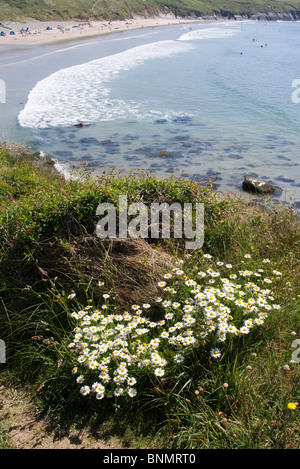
(215,101)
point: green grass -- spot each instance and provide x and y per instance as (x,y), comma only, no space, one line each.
(48,249)
(116,9)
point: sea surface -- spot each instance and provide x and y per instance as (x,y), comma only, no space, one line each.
(215,101)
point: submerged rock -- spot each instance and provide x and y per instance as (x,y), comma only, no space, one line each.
(182,120)
(252,184)
(89,140)
(161,121)
(163,154)
(108,142)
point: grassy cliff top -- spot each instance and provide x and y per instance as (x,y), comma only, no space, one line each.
(53,268)
(121,9)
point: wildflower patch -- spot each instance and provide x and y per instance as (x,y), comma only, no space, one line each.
(203,303)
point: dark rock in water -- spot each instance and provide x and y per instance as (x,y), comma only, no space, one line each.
(110,146)
(163,154)
(259,186)
(182,120)
(89,140)
(82,124)
(108,142)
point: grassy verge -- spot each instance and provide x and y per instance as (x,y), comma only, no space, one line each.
(205,339)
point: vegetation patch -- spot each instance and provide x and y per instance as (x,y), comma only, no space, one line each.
(178,349)
(120,9)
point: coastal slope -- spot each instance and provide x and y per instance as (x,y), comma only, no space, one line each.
(46,10)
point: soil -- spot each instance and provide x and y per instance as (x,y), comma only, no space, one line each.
(25,429)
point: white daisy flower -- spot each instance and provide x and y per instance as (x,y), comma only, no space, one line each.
(215,352)
(84,390)
(132,392)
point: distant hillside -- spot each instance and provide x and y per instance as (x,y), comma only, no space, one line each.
(122,9)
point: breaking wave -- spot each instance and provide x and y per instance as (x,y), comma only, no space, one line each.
(81,93)
(209,33)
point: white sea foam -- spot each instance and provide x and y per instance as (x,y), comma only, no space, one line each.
(81,93)
(208,33)
(63,169)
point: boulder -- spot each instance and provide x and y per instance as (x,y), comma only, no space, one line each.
(82,124)
(163,154)
(252,184)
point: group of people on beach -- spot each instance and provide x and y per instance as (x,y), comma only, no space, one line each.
(22,31)
(26,32)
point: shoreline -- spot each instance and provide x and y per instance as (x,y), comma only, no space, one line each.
(55,36)
(38,34)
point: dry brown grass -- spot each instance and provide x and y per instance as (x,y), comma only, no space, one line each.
(129,267)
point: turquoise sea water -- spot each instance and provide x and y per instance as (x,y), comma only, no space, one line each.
(213,101)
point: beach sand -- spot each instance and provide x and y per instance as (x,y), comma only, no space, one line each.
(71,30)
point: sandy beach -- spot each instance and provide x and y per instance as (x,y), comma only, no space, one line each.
(36,32)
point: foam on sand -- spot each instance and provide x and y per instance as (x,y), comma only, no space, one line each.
(209,33)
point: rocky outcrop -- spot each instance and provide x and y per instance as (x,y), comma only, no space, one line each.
(82,124)
(274,16)
(252,184)
(293,15)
